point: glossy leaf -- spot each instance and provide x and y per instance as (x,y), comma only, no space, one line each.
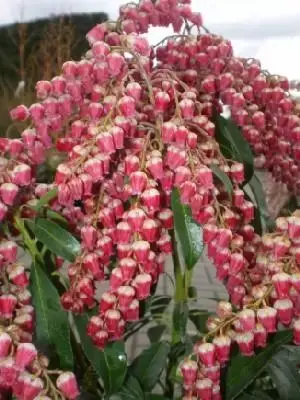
(254,191)
(110,364)
(223,178)
(87,396)
(155,332)
(233,145)
(291,205)
(57,217)
(259,195)
(159,304)
(148,366)
(256,395)
(283,369)
(131,390)
(180,349)
(242,371)
(58,240)
(180,318)
(52,324)
(188,231)
(199,318)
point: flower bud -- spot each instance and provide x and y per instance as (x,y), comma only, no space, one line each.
(267,316)
(189,370)
(18,276)
(67,384)
(136,218)
(125,296)
(222,347)
(284,309)
(5,344)
(28,386)
(8,303)
(206,353)
(107,301)
(116,278)
(8,193)
(282,284)
(142,284)
(112,319)
(150,230)
(245,341)
(155,167)
(162,101)
(132,311)
(141,250)
(8,372)
(203,388)
(247,319)
(25,354)
(166,217)
(260,336)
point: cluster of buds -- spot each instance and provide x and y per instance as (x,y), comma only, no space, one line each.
(259,103)
(15,176)
(23,371)
(271,302)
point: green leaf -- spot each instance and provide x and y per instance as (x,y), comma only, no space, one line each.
(189,232)
(180,318)
(58,240)
(256,395)
(284,372)
(148,366)
(223,178)
(233,145)
(159,304)
(87,396)
(131,390)
(242,371)
(291,205)
(56,216)
(110,364)
(259,195)
(255,193)
(52,325)
(181,349)
(44,200)
(155,333)
(199,318)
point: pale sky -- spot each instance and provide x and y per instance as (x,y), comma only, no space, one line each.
(265,29)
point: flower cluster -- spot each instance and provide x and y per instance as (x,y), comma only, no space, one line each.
(22,370)
(270,302)
(135,124)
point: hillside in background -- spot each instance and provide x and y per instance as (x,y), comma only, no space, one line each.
(36,50)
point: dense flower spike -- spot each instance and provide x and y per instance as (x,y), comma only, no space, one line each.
(270,303)
(19,357)
(134,123)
